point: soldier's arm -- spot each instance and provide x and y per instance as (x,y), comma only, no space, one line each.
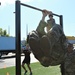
(41,27)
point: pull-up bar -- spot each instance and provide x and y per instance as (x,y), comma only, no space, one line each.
(60,16)
(18,31)
(36,8)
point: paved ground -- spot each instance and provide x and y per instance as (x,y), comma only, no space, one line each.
(11,62)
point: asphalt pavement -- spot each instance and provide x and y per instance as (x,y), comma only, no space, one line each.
(11,61)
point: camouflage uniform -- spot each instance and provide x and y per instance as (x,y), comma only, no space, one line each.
(42,25)
(50,23)
(50,48)
(69,63)
(40,28)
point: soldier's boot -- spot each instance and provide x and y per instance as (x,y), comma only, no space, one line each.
(45,45)
(34,45)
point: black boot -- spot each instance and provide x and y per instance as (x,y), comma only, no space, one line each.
(34,45)
(45,45)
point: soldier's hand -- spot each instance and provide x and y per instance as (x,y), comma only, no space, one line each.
(45,12)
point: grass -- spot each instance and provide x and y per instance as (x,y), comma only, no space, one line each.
(37,69)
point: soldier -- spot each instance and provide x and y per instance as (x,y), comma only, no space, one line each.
(49,48)
(43,24)
(69,63)
(50,22)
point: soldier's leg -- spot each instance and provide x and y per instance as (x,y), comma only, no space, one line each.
(36,49)
(45,45)
(34,44)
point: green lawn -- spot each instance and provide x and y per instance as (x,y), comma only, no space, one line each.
(37,69)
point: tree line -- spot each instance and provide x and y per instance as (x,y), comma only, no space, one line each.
(3,32)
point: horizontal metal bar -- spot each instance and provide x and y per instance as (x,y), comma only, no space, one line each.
(36,8)
(7,50)
(8,57)
(31,7)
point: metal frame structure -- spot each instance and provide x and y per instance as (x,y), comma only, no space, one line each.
(18,31)
(60,16)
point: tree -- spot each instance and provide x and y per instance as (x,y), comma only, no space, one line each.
(3,32)
(0,31)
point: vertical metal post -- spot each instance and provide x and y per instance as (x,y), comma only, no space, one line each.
(18,38)
(0,3)
(61,20)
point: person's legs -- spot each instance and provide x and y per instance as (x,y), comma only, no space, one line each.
(28,65)
(24,68)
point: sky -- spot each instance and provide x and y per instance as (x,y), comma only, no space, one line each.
(30,18)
